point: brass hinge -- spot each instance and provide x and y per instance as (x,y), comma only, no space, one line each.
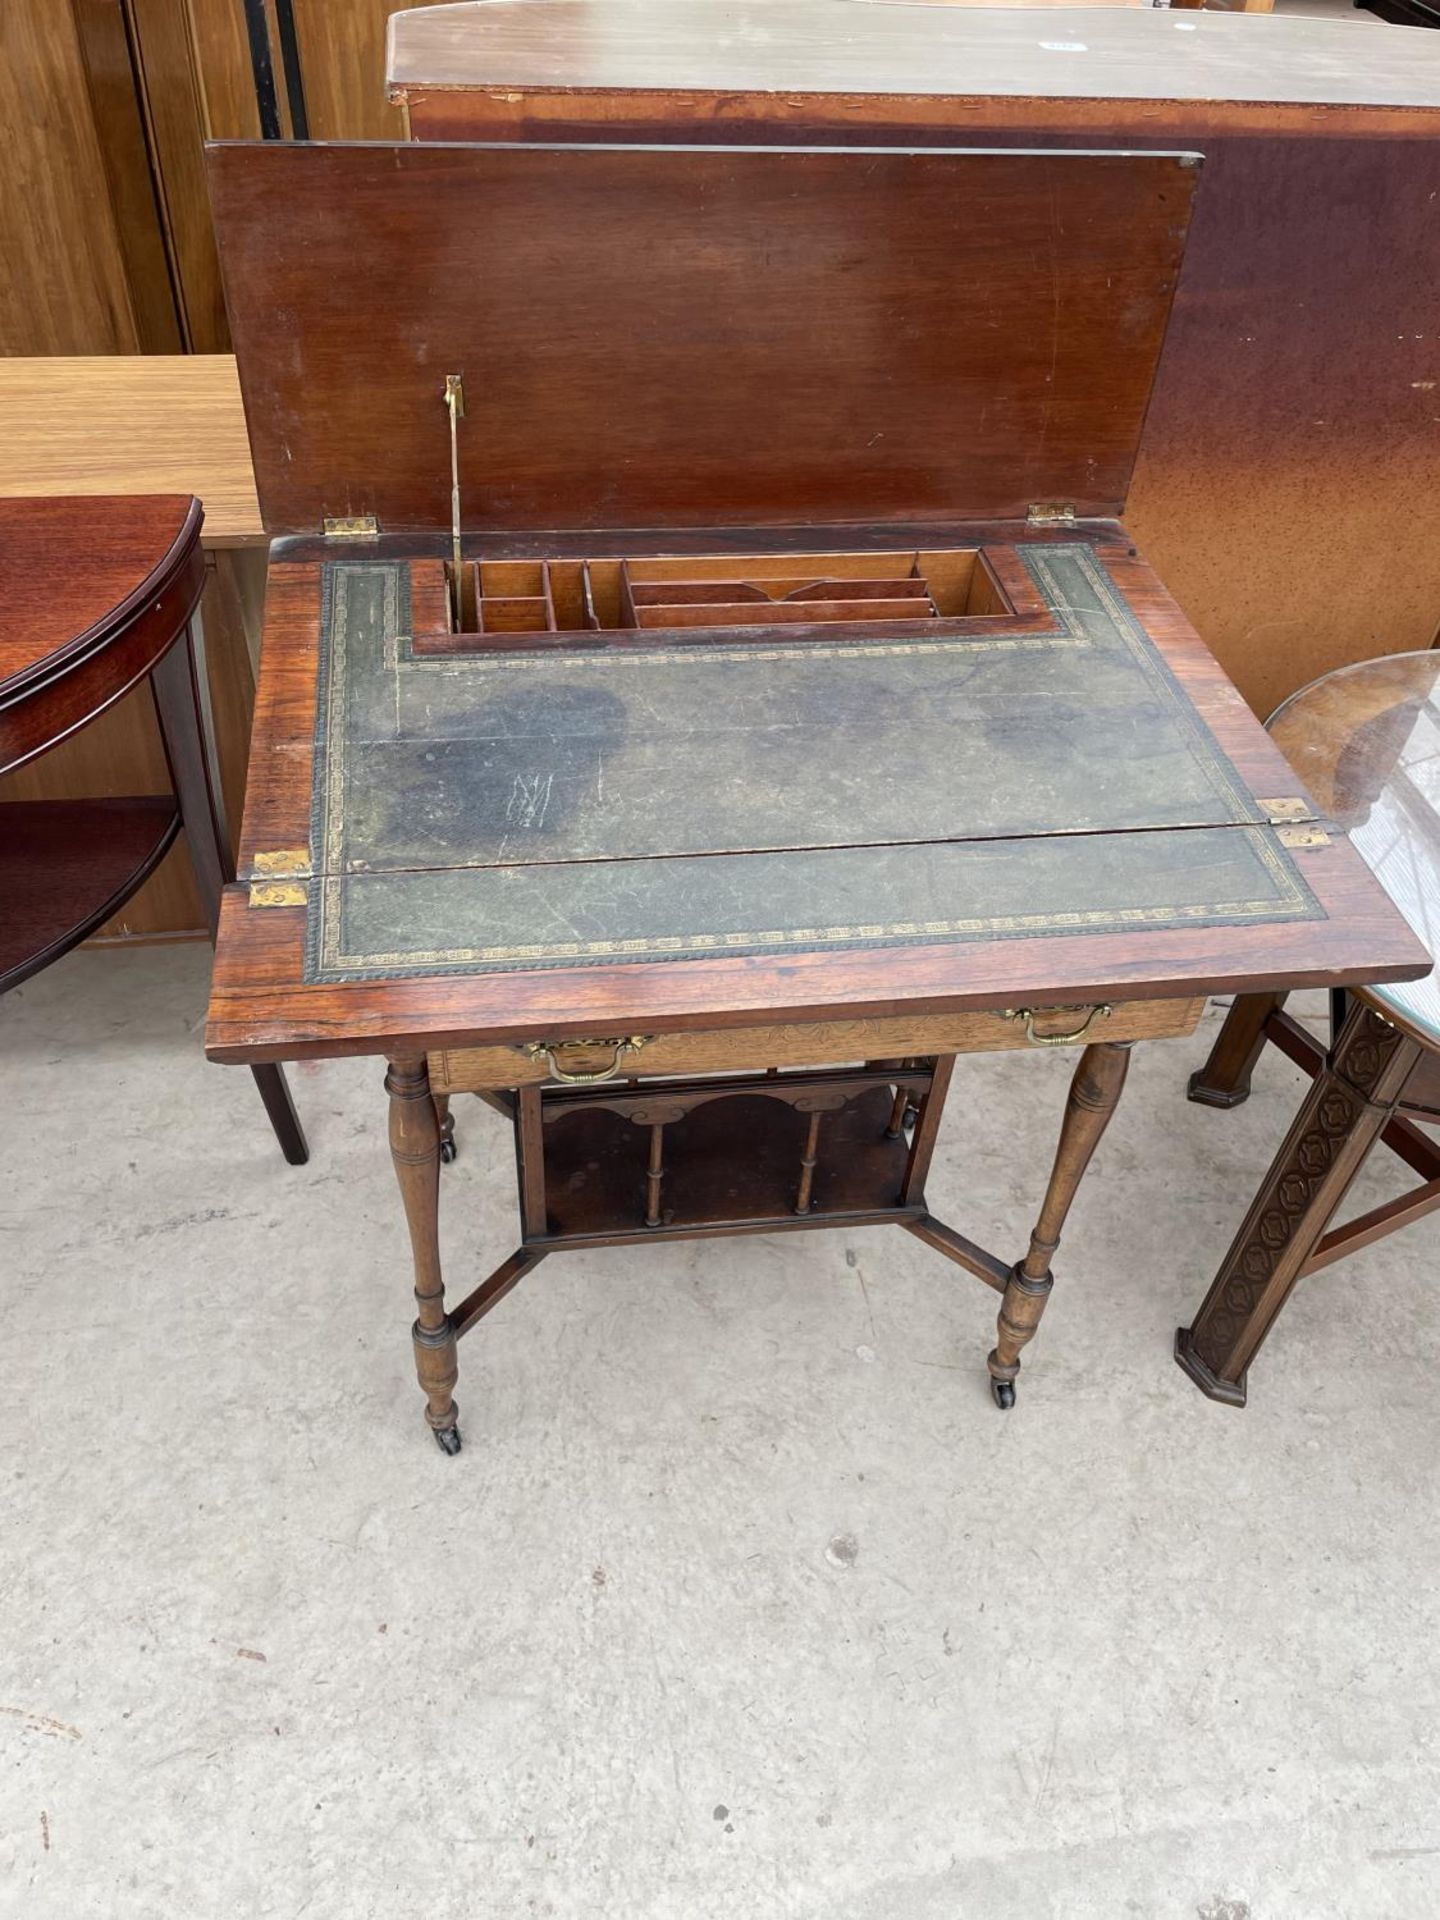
(1294,821)
(278,879)
(1050,513)
(355,526)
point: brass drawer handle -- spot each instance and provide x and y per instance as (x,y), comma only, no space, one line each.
(547,1049)
(1027,1014)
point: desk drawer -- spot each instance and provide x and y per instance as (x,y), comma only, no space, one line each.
(820,1043)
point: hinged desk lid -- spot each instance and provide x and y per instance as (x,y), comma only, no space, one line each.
(663,336)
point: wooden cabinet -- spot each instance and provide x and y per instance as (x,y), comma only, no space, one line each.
(84,267)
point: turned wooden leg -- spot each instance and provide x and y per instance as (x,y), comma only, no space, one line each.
(1224,1080)
(415,1150)
(1348,1105)
(445,1121)
(654,1176)
(905,1111)
(1094,1096)
(807,1165)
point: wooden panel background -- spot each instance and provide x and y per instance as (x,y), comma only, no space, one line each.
(342,54)
(177,124)
(64,287)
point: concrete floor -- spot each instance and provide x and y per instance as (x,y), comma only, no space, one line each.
(743,1599)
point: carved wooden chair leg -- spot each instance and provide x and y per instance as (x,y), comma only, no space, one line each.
(1224,1080)
(1348,1105)
(415,1150)
(445,1120)
(1094,1095)
(897,1114)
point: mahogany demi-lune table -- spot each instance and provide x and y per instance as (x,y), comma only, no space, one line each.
(97,595)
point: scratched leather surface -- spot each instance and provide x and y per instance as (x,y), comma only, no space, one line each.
(534,808)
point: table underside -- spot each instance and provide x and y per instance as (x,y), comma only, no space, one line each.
(525,808)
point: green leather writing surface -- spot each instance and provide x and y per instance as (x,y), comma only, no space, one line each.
(846,896)
(541,807)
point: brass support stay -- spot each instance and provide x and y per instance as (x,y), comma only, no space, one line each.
(461,601)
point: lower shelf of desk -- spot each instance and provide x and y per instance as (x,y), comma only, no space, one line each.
(731,1166)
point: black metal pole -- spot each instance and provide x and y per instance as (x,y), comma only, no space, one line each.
(290,60)
(263,68)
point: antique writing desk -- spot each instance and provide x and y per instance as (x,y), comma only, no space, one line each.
(706,686)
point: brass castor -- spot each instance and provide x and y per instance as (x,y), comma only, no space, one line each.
(1004,1392)
(448,1149)
(447,1439)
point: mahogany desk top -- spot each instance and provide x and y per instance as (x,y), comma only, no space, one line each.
(1058,807)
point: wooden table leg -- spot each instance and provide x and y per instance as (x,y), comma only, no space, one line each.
(927,1129)
(445,1120)
(179,705)
(1094,1095)
(1224,1080)
(415,1150)
(1348,1105)
(654,1177)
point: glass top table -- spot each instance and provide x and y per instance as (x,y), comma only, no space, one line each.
(1365,740)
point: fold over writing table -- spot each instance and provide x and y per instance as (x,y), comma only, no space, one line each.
(838,732)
